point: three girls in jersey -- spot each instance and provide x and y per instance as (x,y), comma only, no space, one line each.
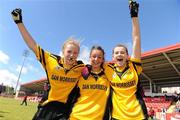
(93,81)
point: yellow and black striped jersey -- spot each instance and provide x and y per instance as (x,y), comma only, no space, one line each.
(127,101)
(93,100)
(61,81)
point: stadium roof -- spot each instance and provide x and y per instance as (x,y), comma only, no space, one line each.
(35,85)
(160,67)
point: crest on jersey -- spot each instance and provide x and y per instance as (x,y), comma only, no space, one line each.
(58,67)
(114,75)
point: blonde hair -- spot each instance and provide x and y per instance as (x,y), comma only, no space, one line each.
(73,41)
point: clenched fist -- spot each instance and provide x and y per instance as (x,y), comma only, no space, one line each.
(17,15)
(134,8)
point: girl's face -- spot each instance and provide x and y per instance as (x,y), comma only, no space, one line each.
(96,58)
(120,56)
(70,54)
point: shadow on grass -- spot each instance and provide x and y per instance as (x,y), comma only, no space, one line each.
(2,112)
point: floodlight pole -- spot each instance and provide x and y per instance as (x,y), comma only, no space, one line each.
(25,55)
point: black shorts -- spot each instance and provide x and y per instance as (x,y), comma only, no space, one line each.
(52,111)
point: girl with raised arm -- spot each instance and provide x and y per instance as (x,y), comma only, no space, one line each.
(62,74)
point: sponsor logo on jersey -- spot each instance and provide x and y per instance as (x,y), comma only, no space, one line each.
(58,67)
(114,75)
(124,84)
(94,86)
(63,79)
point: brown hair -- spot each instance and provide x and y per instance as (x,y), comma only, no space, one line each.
(120,45)
(98,48)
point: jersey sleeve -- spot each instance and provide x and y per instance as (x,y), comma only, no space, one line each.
(108,70)
(137,65)
(42,55)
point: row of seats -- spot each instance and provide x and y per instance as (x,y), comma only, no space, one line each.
(157,100)
(157,104)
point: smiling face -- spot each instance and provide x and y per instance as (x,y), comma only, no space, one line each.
(120,55)
(70,52)
(96,57)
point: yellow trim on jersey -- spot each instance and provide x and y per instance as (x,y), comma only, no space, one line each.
(61,82)
(93,98)
(137,63)
(125,104)
(135,60)
(119,68)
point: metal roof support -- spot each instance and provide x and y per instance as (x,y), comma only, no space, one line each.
(169,60)
(150,81)
(154,87)
(167,78)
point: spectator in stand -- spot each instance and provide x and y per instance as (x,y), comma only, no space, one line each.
(176,109)
(163,114)
(165,96)
(177,106)
(151,113)
(178,97)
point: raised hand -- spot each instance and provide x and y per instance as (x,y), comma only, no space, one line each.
(134,8)
(17,15)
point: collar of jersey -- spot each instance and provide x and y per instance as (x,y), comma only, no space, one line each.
(61,63)
(119,69)
(97,73)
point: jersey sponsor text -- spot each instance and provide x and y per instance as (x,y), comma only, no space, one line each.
(63,79)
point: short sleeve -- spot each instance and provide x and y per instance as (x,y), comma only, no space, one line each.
(137,65)
(42,55)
